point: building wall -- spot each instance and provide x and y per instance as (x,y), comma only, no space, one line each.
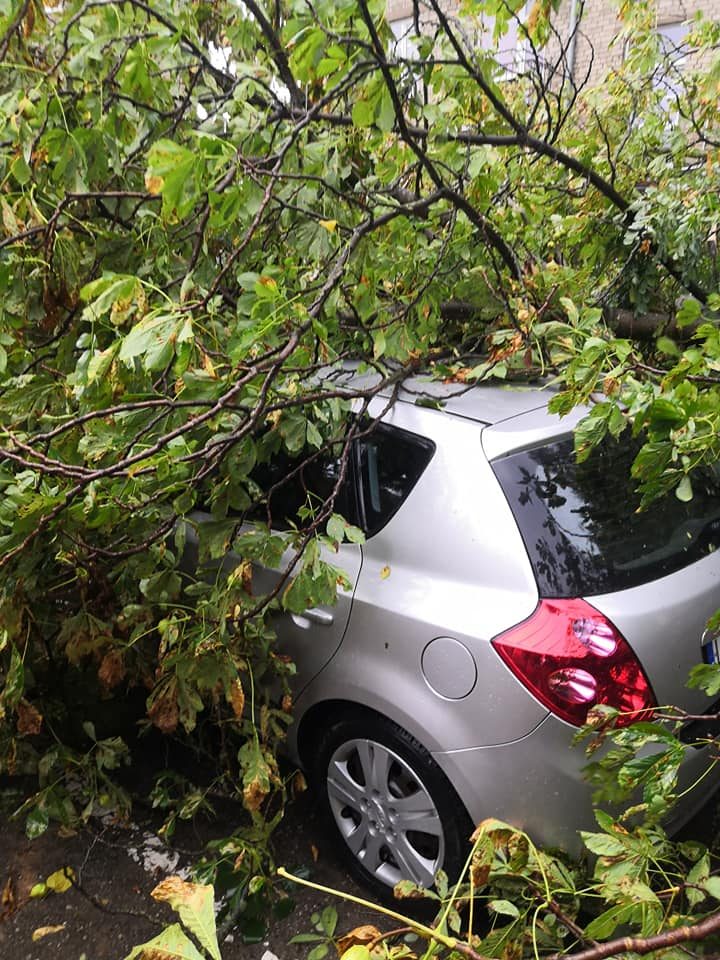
(599,27)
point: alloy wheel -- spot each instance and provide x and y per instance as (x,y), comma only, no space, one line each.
(385,813)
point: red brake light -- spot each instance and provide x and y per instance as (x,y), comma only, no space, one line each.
(571,657)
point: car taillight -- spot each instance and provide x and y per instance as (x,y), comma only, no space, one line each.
(571,658)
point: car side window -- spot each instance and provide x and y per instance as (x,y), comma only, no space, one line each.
(390,461)
(301,485)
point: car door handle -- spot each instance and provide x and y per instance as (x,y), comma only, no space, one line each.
(313,615)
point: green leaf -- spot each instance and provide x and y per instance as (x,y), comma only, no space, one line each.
(172,171)
(697,876)
(318,952)
(14,686)
(570,309)
(107,293)
(172,943)
(663,411)
(712,886)
(602,844)
(706,676)
(37,823)
(155,337)
(363,113)
(684,490)
(667,346)
(504,907)
(358,951)
(688,313)
(386,113)
(603,927)
(328,920)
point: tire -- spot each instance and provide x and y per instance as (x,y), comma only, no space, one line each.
(393,810)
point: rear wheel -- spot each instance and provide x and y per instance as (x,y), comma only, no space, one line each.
(396,813)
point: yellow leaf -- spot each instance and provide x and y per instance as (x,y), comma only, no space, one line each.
(41,932)
(61,880)
(329,225)
(385,573)
(357,952)
(39,890)
(209,366)
(154,184)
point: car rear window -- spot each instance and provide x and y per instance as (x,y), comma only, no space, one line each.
(581,525)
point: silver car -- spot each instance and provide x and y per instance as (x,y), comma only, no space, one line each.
(502,590)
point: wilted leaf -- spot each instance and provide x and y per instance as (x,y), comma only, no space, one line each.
(236,696)
(40,932)
(164,710)
(360,936)
(385,573)
(29,719)
(602,844)
(195,905)
(111,671)
(8,902)
(407,890)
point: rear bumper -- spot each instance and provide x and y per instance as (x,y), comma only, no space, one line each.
(537,784)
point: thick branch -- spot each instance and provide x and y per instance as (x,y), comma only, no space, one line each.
(642,945)
(278,53)
(458,199)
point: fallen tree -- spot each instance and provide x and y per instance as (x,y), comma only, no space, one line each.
(204,206)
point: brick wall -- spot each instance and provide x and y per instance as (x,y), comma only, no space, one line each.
(594,48)
(599,28)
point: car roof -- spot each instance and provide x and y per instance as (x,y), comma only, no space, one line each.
(487,402)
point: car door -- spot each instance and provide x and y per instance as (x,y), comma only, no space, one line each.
(312,636)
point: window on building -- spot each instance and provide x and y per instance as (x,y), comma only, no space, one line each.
(674,52)
(405,36)
(512,49)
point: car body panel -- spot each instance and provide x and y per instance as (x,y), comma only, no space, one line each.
(312,638)
(408,595)
(536,784)
(664,621)
(528,430)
